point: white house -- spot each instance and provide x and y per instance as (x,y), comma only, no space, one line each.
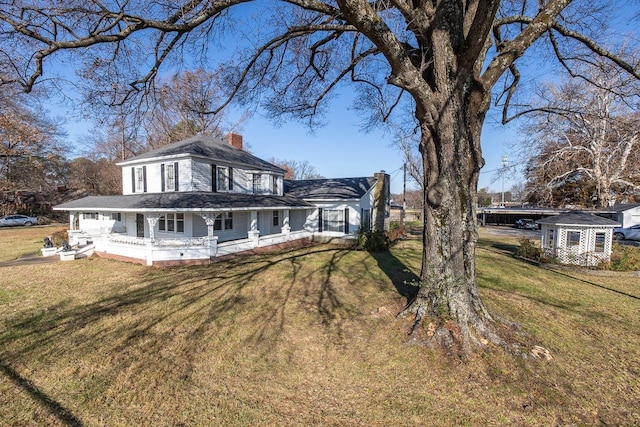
(577,238)
(202,198)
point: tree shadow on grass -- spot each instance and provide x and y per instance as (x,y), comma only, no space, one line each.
(189,304)
(56,408)
(403,279)
(169,319)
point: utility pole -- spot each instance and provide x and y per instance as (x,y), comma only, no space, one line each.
(404,193)
(504,171)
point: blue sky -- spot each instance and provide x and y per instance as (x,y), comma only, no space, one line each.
(341,149)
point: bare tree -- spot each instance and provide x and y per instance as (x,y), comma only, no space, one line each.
(444,58)
(297,169)
(32,150)
(583,145)
(182,106)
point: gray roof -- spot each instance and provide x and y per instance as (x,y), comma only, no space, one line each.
(329,189)
(185,201)
(209,147)
(624,207)
(578,218)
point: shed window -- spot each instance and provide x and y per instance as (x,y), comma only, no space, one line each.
(573,238)
(600,239)
(551,234)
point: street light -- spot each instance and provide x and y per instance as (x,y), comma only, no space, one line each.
(504,170)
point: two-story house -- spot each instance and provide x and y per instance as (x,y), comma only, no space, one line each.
(201,198)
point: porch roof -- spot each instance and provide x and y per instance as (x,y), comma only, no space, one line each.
(329,189)
(183,202)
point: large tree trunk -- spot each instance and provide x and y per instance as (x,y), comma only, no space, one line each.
(448,306)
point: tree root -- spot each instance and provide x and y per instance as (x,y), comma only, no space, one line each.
(463,338)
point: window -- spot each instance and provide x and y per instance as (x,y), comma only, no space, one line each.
(365,222)
(141,185)
(573,238)
(275,184)
(276,218)
(89,215)
(115,216)
(226,219)
(333,220)
(169,176)
(600,239)
(257,183)
(172,223)
(551,234)
(223,178)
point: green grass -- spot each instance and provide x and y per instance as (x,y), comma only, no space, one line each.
(305,337)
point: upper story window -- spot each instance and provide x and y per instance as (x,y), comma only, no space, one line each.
(169,176)
(257,183)
(222,178)
(274,186)
(139,179)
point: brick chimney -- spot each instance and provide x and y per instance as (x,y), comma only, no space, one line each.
(235,140)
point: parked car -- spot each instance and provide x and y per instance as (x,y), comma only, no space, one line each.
(526,224)
(11,220)
(629,233)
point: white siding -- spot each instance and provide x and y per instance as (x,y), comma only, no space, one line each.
(201,173)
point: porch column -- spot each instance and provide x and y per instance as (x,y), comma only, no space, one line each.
(286,228)
(210,219)
(152,220)
(254,234)
(72,220)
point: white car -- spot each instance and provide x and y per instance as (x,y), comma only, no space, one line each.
(11,220)
(629,233)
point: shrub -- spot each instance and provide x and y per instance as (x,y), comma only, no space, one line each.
(372,241)
(58,236)
(397,230)
(625,258)
(529,249)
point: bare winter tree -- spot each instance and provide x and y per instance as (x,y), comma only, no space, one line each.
(442,57)
(297,169)
(32,150)
(585,140)
(182,109)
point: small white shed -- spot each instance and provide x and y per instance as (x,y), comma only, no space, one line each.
(578,238)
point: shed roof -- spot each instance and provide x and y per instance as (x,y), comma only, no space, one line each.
(583,219)
(329,189)
(183,201)
(209,147)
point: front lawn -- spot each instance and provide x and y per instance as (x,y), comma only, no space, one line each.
(305,337)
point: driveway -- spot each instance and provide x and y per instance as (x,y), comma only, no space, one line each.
(30,259)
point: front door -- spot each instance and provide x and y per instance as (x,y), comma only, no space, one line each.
(139,225)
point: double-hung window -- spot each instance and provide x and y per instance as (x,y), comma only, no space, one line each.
(169,176)
(139,179)
(225,219)
(276,218)
(257,183)
(275,184)
(224,178)
(171,223)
